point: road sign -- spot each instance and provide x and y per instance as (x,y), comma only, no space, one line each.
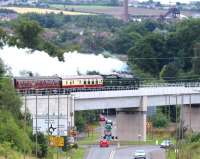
(73,133)
(149,125)
(56,141)
(51,126)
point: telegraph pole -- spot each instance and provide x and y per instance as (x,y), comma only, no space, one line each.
(190,113)
(36,137)
(169,115)
(48,114)
(25,120)
(58,123)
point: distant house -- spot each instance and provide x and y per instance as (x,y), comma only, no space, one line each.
(7,16)
(6,2)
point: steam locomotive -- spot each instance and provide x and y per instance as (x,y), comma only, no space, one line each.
(75,82)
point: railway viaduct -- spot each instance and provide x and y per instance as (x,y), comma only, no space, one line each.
(131,107)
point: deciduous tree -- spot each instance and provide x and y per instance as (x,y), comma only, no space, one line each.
(28,33)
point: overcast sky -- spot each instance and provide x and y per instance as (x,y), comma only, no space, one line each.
(167,1)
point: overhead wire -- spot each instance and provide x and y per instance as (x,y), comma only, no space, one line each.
(160,58)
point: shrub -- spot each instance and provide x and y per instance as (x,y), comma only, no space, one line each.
(195,137)
(42,145)
(160,120)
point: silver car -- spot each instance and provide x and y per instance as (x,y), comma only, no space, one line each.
(140,154)
(166,144)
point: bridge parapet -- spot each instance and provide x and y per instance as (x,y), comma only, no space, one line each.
(177,84)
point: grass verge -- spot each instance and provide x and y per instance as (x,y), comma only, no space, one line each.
(91,139)
(76,153)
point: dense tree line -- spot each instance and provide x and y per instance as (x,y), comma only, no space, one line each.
(156,50)
(84,33)
(171,55)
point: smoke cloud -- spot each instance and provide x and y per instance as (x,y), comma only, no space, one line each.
(39,62)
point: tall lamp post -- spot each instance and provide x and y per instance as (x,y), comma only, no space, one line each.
(176,128)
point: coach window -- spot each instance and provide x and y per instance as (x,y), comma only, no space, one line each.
(70,82)
(84,82)
(66,82)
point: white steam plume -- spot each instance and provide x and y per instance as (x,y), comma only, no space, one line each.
(39,62)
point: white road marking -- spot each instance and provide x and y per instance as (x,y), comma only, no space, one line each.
(112,154)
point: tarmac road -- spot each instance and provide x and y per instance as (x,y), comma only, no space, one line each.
(100,153)
(153,152)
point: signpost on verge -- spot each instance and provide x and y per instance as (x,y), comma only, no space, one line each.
(56,141)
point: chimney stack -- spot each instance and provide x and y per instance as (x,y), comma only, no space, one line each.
(125,17)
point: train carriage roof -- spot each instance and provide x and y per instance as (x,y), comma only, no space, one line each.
(82,77)
(38,77)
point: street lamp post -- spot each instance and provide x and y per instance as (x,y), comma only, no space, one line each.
(36,134)
(190,113)
(176,150)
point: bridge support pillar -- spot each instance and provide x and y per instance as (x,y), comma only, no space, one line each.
(131,123)
(191,117)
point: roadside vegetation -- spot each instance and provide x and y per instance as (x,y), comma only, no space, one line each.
(188,148)
(14,139)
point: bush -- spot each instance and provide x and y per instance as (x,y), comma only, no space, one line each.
(195,137)
(160,120)
(42,145)
(7,152)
